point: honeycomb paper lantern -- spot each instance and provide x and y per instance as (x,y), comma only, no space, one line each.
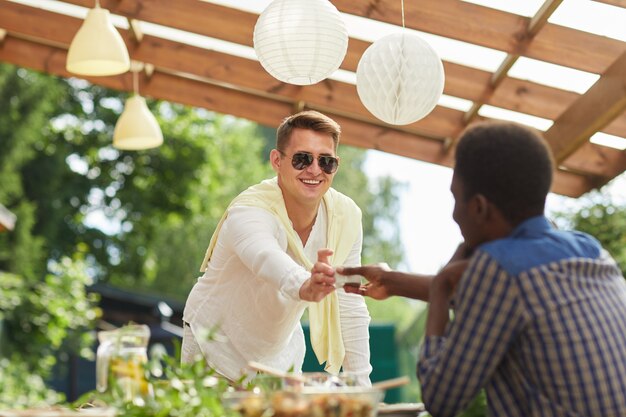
(300,41)
(400,78)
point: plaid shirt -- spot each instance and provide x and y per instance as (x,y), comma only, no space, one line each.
(540,323)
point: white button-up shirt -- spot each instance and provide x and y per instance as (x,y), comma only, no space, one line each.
(250,290)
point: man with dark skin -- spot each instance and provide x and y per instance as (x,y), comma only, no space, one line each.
(540,314)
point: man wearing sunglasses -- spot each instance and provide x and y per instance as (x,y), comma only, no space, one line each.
(269,259)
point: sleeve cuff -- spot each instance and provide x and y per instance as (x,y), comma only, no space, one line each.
(292,281)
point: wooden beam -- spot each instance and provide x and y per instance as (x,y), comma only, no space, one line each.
(241,104)
(162,86)
(540,19)
(464,82)
(534,26)
(602,103)
(513,94)
(495,29)
(327,95)
(221,99)
(135,29)
(602,161)
(194,16)
(571,184)
(237,72)
(617,126)
(617,3)
(450,18)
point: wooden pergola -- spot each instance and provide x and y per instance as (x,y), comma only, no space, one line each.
(38,39)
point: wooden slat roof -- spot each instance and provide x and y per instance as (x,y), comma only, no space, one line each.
(37,38)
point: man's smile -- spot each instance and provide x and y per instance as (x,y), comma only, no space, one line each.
(311,182)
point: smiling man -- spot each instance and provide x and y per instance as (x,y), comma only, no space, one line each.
(260,271)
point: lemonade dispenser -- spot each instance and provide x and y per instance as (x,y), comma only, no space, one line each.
(120,360)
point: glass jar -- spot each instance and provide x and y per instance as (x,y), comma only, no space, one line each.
(120,362)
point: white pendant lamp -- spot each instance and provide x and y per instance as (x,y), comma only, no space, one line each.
(300,42)
(137,128)
(97,48)
(400,78)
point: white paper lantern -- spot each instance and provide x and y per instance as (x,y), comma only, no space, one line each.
(400,78)
(300,41)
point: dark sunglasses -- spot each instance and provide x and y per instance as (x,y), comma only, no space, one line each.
(301,160)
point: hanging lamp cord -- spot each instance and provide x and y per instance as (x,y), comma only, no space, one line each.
(136,82)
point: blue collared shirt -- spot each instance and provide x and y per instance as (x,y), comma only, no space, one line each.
(540,323)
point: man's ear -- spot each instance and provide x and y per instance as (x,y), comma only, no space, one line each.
(481,207)
(275,159)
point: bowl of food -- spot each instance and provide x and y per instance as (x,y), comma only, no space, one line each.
(320,401)
(305,401)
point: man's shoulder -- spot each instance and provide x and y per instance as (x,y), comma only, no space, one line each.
(517,255)
(240,214)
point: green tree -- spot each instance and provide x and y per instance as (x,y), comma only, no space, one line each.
(25,108)
(38,319)
(230,160)
(44,307)
(598,216)
(379,202)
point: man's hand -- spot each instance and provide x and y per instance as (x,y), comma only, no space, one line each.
(446,281)
(375,274)
(442,289)
(322,279)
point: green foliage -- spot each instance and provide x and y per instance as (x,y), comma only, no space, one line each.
(43,305)
(175,389)
(379,202)
(28,103)
(39,319)
(231,161)
(602,219)
(23,389)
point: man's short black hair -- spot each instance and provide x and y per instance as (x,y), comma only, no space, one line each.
(510,164)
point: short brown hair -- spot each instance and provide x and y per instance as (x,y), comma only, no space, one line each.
(510,164)
(308,119)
